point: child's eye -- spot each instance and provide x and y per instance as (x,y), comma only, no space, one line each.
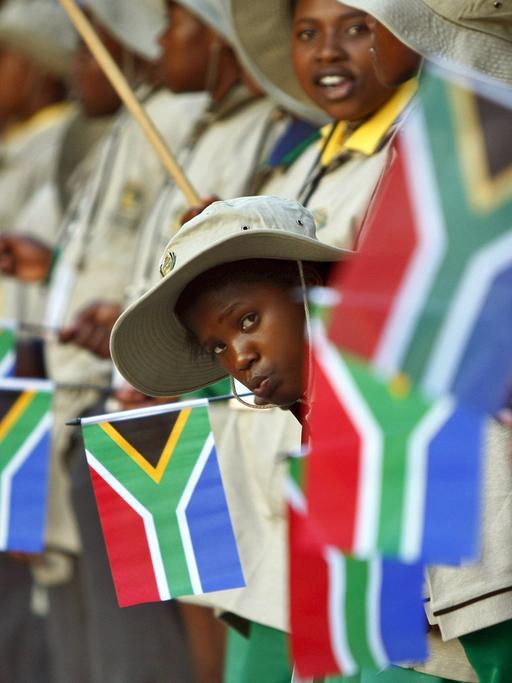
(248,321)
(357,29)
(218,349)
(306,35)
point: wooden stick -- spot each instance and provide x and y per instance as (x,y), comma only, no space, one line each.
(125,92)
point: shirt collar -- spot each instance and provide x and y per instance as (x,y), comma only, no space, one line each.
(368,137)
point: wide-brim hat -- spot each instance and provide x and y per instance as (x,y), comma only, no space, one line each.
(136,24)
(149,345)
(264,64)
(213,13)
(40,30)
(263,35)
(476,35)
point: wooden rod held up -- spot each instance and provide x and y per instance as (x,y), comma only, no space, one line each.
(125,92)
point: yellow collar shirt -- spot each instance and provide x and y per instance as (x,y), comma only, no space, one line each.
(338,181)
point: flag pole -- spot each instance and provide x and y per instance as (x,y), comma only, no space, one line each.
(152,410)
(125,92)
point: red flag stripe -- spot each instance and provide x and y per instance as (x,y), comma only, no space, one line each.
(131,564)
(357,324)
(309,600)
(329,420)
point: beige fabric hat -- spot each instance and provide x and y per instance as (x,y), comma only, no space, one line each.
(149,345)
(213,13)
(263,30)
(135,23)
(473,33)
(40,30)
(265,56)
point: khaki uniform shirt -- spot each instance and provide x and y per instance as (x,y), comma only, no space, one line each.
(98,249)
(29,155)
(220,158)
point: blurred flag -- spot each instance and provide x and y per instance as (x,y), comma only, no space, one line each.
(162,506)
(25,426)
(346,614)
(390,472)
(7,350)
(430,293)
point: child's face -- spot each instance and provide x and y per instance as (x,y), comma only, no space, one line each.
(185,50)
(331,53)
(394,62)
(256,332)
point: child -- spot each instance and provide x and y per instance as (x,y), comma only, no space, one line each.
(226,303)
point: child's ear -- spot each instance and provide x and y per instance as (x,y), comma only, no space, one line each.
(313,275)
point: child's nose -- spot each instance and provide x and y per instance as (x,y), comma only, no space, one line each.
(245,355)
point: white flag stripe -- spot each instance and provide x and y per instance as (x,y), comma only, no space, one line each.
(149,524)
(145,412)
(25,384)
(413,519)
(373,616)
(463,313)
(295,497)
(371,454)
(429,252)
(9,472)
(181,514)
(7,364)
(336,611)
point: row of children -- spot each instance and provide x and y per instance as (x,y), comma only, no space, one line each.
(250,85)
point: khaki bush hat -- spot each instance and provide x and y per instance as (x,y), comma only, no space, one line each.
(149,345)
(41,31)
(265,64)
(263,31)
(135,23)
(473,33)
(213,13)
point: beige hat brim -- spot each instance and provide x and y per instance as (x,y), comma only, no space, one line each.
(50,57)
(263,32)
(434,37)
(149,345)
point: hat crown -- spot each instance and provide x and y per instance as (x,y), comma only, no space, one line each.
(213,13)
(224,220)
(487,16)
(135,23)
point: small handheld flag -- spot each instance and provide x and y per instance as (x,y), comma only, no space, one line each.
(346,614)
(390,472)
(430,292)
(25,426)
(162,506)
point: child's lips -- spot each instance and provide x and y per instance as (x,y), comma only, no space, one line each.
(335,86)
(263,387)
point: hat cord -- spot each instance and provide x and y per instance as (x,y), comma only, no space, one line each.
(307,317)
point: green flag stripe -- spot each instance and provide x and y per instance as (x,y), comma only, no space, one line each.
(467,230)
(397,419)
(356,615)
(23,427)
(6,343)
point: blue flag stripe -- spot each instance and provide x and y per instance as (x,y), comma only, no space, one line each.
(402,618)
(28,499)
(484,375)
(453,492)
(210,529)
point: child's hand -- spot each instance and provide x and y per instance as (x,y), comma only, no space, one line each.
(92,327)
(129,398)
(24,258)
(196,210)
